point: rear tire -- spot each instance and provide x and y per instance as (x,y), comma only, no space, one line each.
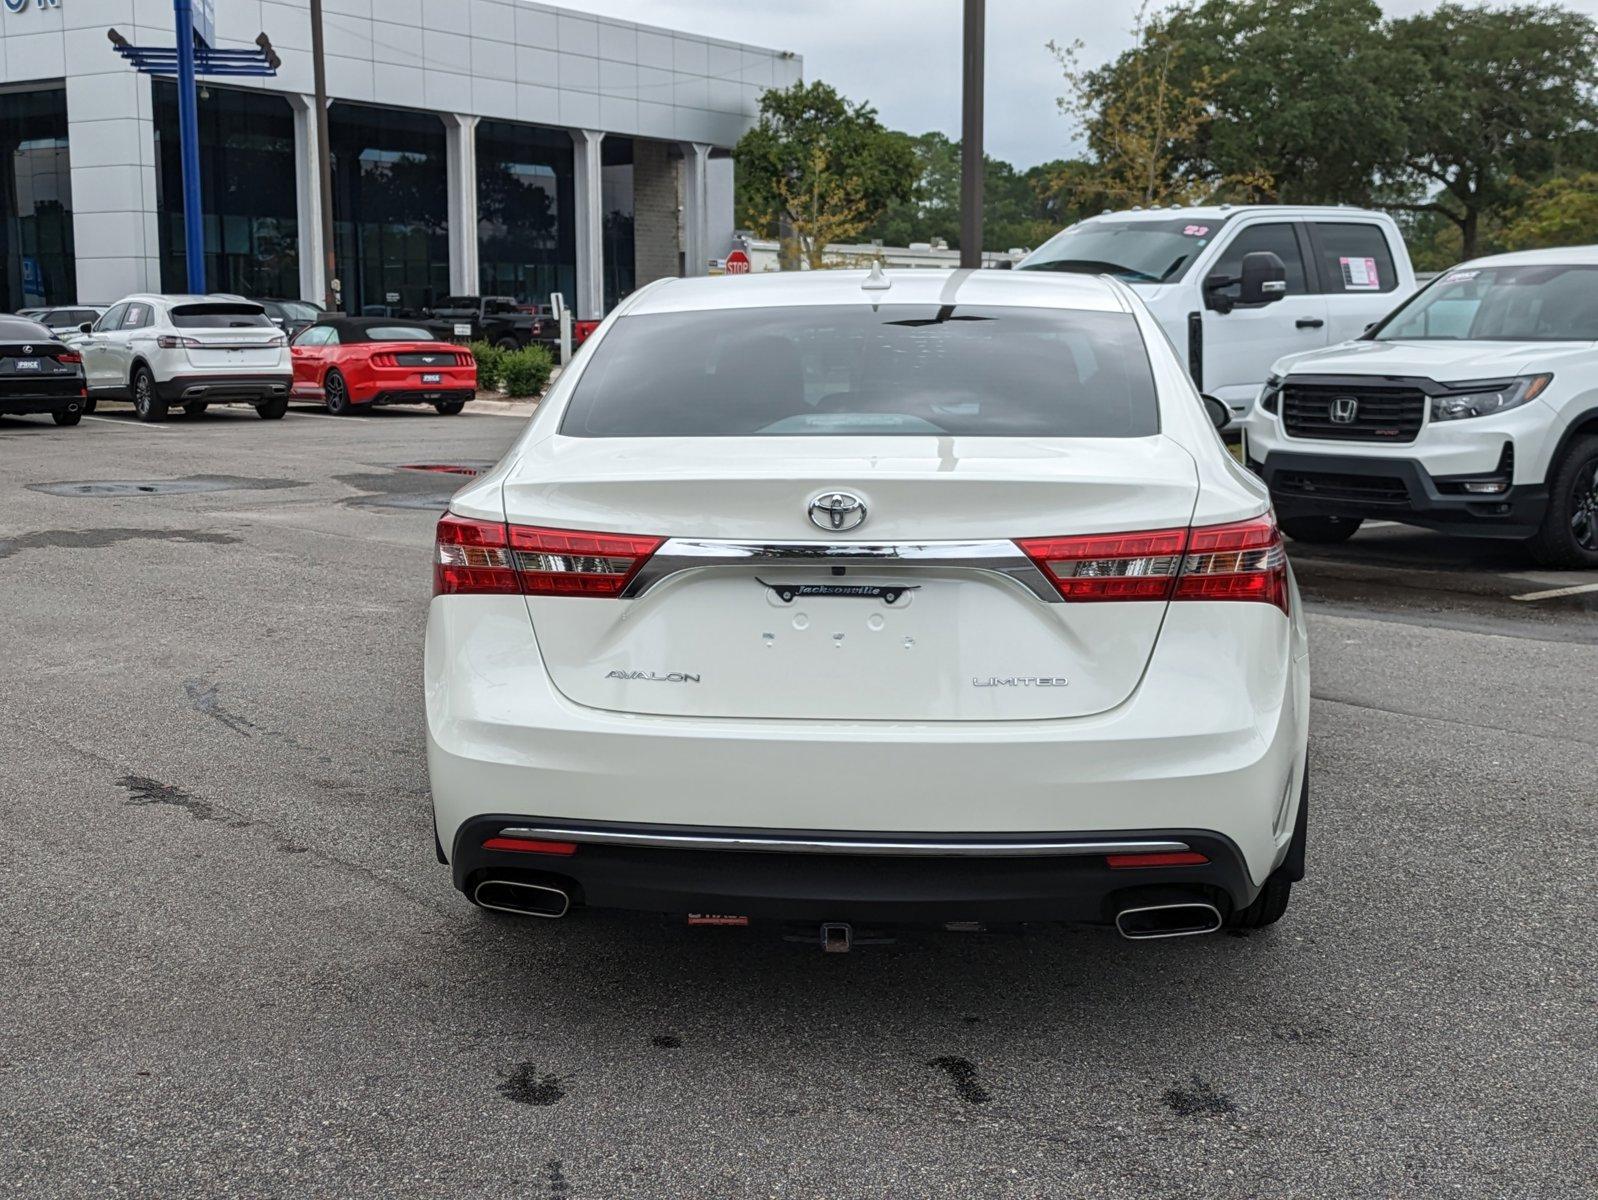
(197,409)
(1569,533)
(88,405)
(147,402)
(63,417)
(336,395)
(507,343)
(1320,531)
(273,410)
(449,408)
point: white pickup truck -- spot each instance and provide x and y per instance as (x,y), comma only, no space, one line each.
(1343,269)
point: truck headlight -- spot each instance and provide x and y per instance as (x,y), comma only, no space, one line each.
(1490,399)
(1271,393)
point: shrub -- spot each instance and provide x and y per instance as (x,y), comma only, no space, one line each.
(525,372)
(490,365)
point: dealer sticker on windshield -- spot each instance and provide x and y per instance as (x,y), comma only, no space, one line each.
(1360,275)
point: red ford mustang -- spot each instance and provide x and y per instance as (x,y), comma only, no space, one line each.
(352,363)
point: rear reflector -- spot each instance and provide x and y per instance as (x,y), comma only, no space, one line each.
(486,557)
(1239,561)
(529,846)
(1180,858)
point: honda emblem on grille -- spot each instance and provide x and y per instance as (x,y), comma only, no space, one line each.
(1345,409)
(837,511)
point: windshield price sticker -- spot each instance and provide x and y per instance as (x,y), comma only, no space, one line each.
(1360,275)
(1461,276)
(1196,231)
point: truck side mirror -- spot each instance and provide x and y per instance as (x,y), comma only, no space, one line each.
(1263,279)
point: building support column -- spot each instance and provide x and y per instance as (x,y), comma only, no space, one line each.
(695,209)
(590,202)
(308,200)
(460,153)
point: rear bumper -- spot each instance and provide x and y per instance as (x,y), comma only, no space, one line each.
(947,882)
(1209,740)
(63,399)
(427,395)
(1399,489)
(222,389)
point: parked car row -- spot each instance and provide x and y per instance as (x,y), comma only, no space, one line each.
(190,352)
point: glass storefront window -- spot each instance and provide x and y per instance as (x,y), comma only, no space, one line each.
(37,266)
(616,195)
(390,207)
(247,189)
(525,204)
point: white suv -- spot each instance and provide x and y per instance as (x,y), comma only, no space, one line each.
(1472,408)
(190,351)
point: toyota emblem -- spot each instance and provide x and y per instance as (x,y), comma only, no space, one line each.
(837,511)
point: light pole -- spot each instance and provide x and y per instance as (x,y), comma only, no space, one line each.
(971,136)
(324,159)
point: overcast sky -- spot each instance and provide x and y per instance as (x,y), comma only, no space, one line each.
(904,55)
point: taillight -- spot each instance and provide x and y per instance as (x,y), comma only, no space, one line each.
(384,360)
(472,557)
(1117,566)
(1239,561)
(489,557)
(69,356)
(168,341)
(563,562)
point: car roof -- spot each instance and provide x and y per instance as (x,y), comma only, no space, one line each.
(1554,256)
(12,327)
(1218,212)
(939,288)
(359,325)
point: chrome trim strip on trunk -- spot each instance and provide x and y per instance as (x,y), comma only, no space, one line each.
(996,557)
(951,848)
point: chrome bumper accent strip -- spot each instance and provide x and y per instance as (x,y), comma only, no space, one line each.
(952,848)
(996,557)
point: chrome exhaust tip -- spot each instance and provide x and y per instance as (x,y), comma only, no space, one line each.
(1187,919)
(523,899)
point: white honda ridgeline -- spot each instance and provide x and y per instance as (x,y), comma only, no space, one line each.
(841,598)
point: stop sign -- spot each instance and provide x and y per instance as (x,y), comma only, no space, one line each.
(737,263)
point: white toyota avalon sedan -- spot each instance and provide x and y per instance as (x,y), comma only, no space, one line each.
(846,598)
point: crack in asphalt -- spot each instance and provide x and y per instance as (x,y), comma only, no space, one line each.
(99,539)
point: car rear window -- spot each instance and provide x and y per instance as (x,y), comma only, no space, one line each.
(219,316)
(398,333)
(868,370)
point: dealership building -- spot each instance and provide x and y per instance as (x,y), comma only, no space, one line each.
(496,147)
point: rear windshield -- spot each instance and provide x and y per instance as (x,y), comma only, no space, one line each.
(398,333)
(858,370)
(1145,251)
(219,316)
(1539,303)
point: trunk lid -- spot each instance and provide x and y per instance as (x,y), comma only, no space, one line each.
(899,641)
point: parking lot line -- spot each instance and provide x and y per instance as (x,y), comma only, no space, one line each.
(1555,593)
(128,424)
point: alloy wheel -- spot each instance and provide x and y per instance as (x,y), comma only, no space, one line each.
(1584,506)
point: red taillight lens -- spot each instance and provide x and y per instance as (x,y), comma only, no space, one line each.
(69,356)
(531,846)
(488,557)
(1117,566)
(1240,561)
(472,557)
(1177,858)
(384,360)
(567,562)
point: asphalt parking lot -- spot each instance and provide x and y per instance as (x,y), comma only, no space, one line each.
(231,965)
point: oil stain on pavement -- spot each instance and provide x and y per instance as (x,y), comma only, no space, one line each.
(526,1086)
(963,1075)
(99,539)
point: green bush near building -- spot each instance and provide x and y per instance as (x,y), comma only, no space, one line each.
(490,365)
(526,372)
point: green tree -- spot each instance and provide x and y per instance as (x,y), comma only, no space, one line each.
(821,165)
(1562,211)
(1496,97)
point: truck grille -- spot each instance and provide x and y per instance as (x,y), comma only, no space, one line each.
(1369,489)
(1380,414)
